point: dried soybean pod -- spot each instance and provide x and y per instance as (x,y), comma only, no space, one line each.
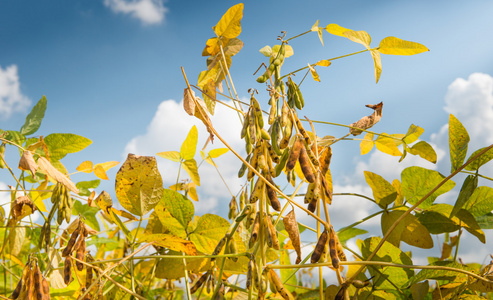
(272,234)
(294,154)
(271,282)
(309,193)
(288,130)
(257,190)
(326,189)
(272,195)
(306,166)
(30,285)
(273,155)
(18,288)
(311,155)
(89,271)
(251,216)
(71,242)
(291,226)
(279,286)
(233,208)
(255,229)
(340,293)
(251,269)
(46,289)
(332,248)
(38,288)
(252,127)
(81,251)
(219,246)
(325,157)
(317,253)
(340,251)
(67,270)
(199,282)
(302,130)
(257,110)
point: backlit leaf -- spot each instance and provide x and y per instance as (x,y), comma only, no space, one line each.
(440,274)
(229,25)
(189,146)
(51,171)
(179,206)
(107,165)
(172,268)
(424,150)
(170,242)
(367,143)
(139,185)
(323,63)
(233,46)
(346,234)
(191,167)
(388,219)
(14,136)
(396,46)
(37,196)
(419,290)
(314,73)
(121,225)
(34,118)
(418,181)
(486,221)
(85,166)
(214,153)
(169,224)
(387,145)
(100,172)
(89,214)
(383,192)
(458,141)
(61,144)
(483,159)
(468,187)
(416,234)
(400,196)
(266,50)
(288,50)
(361,37)
(210,229)
(171,155)
(291,283)
(480,202)
(315,26)
(413,133)
(377,63)
(84,186)
(336,30)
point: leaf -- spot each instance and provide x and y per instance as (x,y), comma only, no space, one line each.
(210,229)
(387,144)
(37,196)
(418,181)
(440,274)
(214,153)
(486,221)
(266,51)
(138,184)
(468,187)
(367,143)
(347,234)
(483,159)
(15,136)
(458,141)
(189,146)
(229,25)
(360,37)
(367,121)
(34,118)
(27,163)
(319,31)
(383,192)
(291,283)
(191,167)
(89,214)
(100,172)
(395,46)
(170,242)
(288,51)
(416,234)
(419,290)
(315,26)
(171,155)
(84,186)
(480,202)
(172,268)
(233,46)
(107,165)
(179,206)
(324,63)
(60,144)
(424,150)
(314,73)
(58,176)
(388,219)
(85,166)
(16,238)
(168,223)
(121,225)
(190,103)
(377,62)
(413,133)
(336,30)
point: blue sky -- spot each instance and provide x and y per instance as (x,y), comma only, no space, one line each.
(110,70)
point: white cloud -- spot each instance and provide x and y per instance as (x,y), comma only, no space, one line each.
(11,98)
(149,12)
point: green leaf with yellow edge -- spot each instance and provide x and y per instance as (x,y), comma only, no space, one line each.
(480,202)
(171,242)
(138,184)
(189,146)
(424,150)
(361,37)
(387,253)
(377,63)
(178,205)
(169,224)
(367,143)
(34,118)
(383,192)
(190,167)
(440,274)
(314,73)
(336,30)
(229,25)
(388,145)
(173,268)
(458,142)
(413,133)
(323,63)
(418,181)
(468,187)
(171,155)
(288,50)
(61,144)
(396,46)
(483,159)
(210,229)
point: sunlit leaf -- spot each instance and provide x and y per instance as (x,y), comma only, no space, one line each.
(458,141)
(171,155)
(266,50)
(361,37)
(480,202)
(84,186)
(191,167)
(416,234)
(468,187)
(323,63)
(483,159)
(139,185)
(377,62)
(170,242)
(383,192)
(14,136)
(396,46)
(347,234)
(107,165)
(418,181)
(413,133)
(214,153)
(367,143)
(100,172)
(314,73)
(38,195)
(387,145)
(315,26)
(51,171)
(288,50)
(61,144)
(336,30)
(172,268)
(440,274)
(424,150)
(210,229)
(229,25)
(189,146)
(34,118)
(192,192)
(89,214)
(179,206)
(85,166)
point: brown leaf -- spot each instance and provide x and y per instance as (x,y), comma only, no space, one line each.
(367,121)
(195,106)
(291,227)
(27,163)
(51,171)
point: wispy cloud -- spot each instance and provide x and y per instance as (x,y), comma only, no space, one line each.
(149,12)
(11,98)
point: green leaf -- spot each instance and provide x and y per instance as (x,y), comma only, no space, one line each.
(172,268)
(409,230)
(89,213)
(468,187)
(418,181)
(84,186)
(387,253)
(110,244)
(171,155)
(437,223)
(383,192)
(266,50)
(15,136)
(486,221)
(440,274)
(230,24)
(179,206)
(210,229)
(419,290)
(138,184)
(189,146)
(458,141)
(346,234)
(395,46)
(168,223)
(480,202)
(191,167)
(33,120)
(483,159)
(413,133)
(424,150)
(61,144)
(121,225)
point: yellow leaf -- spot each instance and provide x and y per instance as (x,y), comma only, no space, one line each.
(323,63)
(288,51)
(191,167)
(320,35)
(230,24)
(85,167)
(170,242)
(362,37)
(107,165)
(189,146)
(314,73)
(387,145)
(367,143)
(395,46)
(217,152)
(315,26)
(100,173)
(124,214)
(192,192)
(14,259)
(171,155)
(377,60)
(212,46)
(38,197)
(336,30)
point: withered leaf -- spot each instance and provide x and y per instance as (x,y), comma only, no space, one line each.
(27,163)
(291,227)
(21,207)
(367,121)
(190,105)
(49,169)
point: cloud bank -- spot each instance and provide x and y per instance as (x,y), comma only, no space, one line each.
(11,98)
(149,12)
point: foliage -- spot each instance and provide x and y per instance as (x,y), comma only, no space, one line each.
(141,251)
